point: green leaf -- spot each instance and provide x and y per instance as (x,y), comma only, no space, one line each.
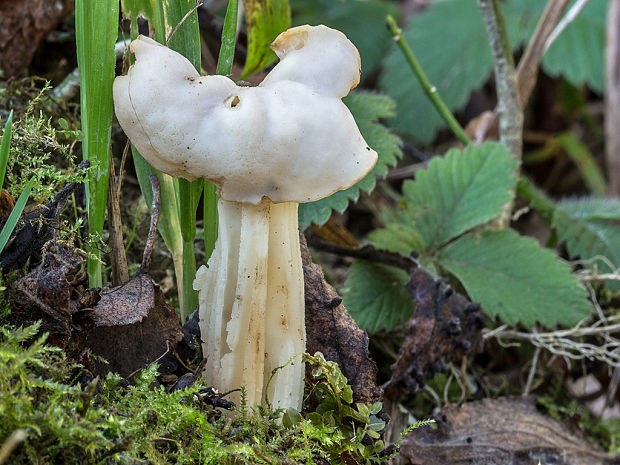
(399,234)
(367,108)
(375,296)
(229,38)
(457,192)
(590,228)
(513,277)
(13,218)
(186,38)
(362,21)
(265,19)
(154,11)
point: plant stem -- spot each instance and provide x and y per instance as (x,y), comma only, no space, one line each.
(429,89)
(187,216)
(527,70)
(509,103)
(210,218)
(537,198)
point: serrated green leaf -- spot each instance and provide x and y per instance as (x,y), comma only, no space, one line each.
(513,277)
(266,19)
(459,191)
(375,296)
(399,235)
(591,227)
(366,108)
(456,70)
(362,21)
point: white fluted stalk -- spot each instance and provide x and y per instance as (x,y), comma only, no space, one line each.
(252,303)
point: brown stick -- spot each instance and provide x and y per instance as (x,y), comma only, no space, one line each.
(508,101)
(612,96)
(527,71)
(150,240)
(120,273)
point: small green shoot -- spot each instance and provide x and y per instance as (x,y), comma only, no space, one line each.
(4,147)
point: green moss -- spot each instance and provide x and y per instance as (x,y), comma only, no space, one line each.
(560,405)
(112,422)
(41,147)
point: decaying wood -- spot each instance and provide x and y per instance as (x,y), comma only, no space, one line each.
(612,97)
(500,432)
(332,331)
(445,327)
(23,25)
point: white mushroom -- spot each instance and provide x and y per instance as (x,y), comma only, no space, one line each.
(267,148)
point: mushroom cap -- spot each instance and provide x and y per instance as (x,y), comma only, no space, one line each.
(290,139)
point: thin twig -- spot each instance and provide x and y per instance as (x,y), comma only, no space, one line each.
(612,97)
(568,342)
(369,253)
(527,70)
(509,102)
(121,170)
(120,272)
(569,18)
(150,240)
(532,373)
(187,15)
(15,439)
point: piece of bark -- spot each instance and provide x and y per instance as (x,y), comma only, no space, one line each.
(23,26)
(612,97)
(130,327)
(507,431)
(444,327)
(332,331)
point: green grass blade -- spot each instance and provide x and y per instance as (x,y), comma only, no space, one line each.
(11,222)
(186,40)
(96,27)
(229,39)
(586,164)
(4,146)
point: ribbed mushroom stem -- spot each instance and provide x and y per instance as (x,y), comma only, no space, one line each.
(252,304)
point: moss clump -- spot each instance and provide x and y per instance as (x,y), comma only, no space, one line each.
(111,422)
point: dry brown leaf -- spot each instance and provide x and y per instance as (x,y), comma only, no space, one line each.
(508,431)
